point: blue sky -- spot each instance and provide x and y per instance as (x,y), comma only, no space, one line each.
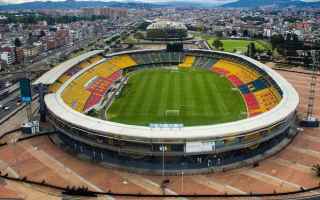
(212,1)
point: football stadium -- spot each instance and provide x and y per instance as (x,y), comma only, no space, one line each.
(163,111)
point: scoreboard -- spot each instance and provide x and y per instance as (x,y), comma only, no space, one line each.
(25,90)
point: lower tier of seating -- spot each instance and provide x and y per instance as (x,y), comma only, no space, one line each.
(98,89)
(76,95)
(258,94)
(188,61)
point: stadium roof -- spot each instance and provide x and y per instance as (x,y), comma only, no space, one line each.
(287,106)
(54,74)
(167,25)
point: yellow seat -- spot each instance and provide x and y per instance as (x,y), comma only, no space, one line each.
(122,61)
(63,78)
(95,59)
(267,99)
(188,62)
(54,87)
(244,73)
(76,94)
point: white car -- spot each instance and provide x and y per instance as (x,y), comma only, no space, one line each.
(6,108)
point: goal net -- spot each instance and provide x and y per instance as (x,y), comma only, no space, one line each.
(172,113)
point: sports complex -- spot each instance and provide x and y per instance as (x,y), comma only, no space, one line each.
(163,111)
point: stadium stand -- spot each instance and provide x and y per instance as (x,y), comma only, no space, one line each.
(230,144)
(72,71)
(259,94)
(245,74)
(98,88)
(123,61)
(188,62)
(95,81)
(266,99)
(54,87)
(95,59)
(84,64)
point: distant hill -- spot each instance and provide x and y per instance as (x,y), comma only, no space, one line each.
(71,4)
(273,3)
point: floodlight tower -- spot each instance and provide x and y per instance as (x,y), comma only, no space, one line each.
(311,120)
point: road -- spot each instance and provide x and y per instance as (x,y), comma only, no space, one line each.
(11,103)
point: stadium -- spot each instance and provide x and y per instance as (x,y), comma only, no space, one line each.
(166,31)
(163,111)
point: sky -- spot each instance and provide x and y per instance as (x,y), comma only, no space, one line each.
(213,1)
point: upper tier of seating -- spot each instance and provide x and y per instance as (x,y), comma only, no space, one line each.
(204,62)
(158,57)
(72,71)
(243,73)
(122,61)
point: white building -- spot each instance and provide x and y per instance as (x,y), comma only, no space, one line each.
(8,57)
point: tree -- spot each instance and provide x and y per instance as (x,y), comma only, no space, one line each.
(217,44)
(277,41)
(17,42)
(138,35)
(245,33)
(234,33)
(251,52)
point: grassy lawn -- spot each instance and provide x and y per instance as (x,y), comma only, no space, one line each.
(229,44)
(191,97)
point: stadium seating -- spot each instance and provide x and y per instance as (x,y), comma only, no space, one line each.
(88,89)
(188,62)
(122,61)
(63,78)
(204,62)
(267,99)
(245,74)
(84,64)
(76,96)
(54,87)
(73,71)
(95,59)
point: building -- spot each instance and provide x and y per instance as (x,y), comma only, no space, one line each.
(32,50)
(8,55)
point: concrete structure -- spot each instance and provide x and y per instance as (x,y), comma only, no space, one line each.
(192,149)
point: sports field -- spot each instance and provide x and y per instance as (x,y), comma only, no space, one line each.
(189,96)
(230,45)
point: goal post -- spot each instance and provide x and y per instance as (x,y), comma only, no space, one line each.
(172,113)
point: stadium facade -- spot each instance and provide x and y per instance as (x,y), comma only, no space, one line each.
(167,30)
(169,149)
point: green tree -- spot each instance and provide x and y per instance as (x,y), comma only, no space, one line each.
(277,41)
(138,35)
(217,44)
(251,50)
(17,42)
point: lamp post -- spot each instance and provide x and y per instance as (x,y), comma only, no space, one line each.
(163,148)
(182,173)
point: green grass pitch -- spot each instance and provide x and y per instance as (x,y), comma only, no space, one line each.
(189,96)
